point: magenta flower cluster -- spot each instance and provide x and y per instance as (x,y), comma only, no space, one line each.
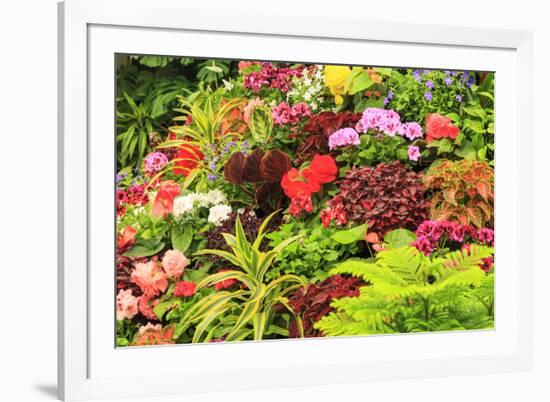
(343,137)
(388,122)
(429,234)
(271,77)
(285,114)
(154,162)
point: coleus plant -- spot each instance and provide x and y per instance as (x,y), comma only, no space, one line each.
(386,197)
(263,170)
(463,191)
(314,302)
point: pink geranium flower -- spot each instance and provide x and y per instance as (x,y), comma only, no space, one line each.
(413,152)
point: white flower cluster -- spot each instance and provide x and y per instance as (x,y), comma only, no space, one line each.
(218,214)
(214,200)
(308,88)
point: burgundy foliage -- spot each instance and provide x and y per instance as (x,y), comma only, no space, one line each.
(317,130)
(313,303)
(386,197)
(262,168)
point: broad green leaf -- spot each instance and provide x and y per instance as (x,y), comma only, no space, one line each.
(350,235)
(360,83)
(145,248)
(399,238)
(161,308)
(182,236)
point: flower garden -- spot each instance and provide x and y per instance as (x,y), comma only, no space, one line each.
(262,200)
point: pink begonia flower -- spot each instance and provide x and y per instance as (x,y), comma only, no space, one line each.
(126,305)
(174,262)
(414,152)
(150,278)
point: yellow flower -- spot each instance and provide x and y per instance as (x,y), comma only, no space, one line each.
(335,78)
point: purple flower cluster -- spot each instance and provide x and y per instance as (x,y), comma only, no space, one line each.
(154,162)
(388,122)
(388,98)
(284,114)
(343,137)
(272,77)
(429,233)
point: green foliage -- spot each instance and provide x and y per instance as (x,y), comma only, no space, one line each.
(373,150)
(350,236)
(145,248)
(410,292)
(209,109)
(316,251)
(473,112)
(261,124)
(148,226)
(145,98)
(247,312)
(398,238)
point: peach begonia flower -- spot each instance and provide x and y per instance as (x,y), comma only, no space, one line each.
(126,305)
(150,278)
(174,262)
(146,306)
(154,335)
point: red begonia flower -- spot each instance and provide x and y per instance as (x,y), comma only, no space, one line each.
(438,127)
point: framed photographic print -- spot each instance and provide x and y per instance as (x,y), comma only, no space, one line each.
(284,203)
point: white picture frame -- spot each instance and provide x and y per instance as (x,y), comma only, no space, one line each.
(90,32)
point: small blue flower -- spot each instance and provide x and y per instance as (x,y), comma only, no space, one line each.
(389,95)
(416,75)
(447,73)
(212,177)
(470,81)
(430,84)
(212,165)
(426,72)
(448,81)
(428,95)
(458,98)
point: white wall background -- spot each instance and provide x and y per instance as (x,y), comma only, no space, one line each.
(28,200)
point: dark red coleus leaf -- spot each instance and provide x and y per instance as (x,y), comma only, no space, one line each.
(233,168)
(274,165)
(269,197)
(251,166)
(387,197)
(313,303)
